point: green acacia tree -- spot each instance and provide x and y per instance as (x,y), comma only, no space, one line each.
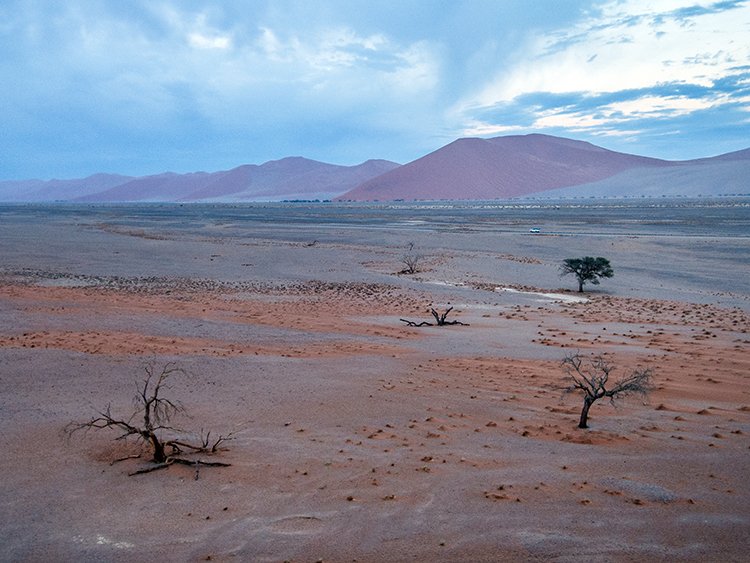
(587,270)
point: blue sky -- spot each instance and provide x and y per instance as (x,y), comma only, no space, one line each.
(142,87)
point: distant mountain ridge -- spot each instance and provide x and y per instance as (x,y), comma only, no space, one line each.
(466,169)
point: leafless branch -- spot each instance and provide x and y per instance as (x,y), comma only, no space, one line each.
(439,319)
(155,413)
(412,323)
(410,260)
(592,379)
(177,460)
(411,263)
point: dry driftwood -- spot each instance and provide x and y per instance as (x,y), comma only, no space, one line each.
(439,320)
(179,460)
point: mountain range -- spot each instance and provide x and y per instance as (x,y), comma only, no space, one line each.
(467,169)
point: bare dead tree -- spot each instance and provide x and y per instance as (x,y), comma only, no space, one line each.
(410,260)
(439,319)
(151,420)
(592,380)
(411,263)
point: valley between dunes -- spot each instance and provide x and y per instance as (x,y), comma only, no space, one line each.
(356,437)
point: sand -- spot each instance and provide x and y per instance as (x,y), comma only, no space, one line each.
(357,437)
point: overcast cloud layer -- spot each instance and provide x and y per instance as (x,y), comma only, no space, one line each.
(143,87)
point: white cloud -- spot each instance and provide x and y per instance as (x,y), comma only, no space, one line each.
(418,70)
(201,41)
(106,64)
(626,133)
(270,44)
(660,106)
(317,74)
(477,128)
(341,50)
(626,45)
(608,115)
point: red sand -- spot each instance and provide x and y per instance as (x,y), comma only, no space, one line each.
(359,438)
(424,456)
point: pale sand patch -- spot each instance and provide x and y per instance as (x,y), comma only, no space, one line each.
(563,297)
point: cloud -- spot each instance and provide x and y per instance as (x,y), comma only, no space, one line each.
(155,84)
(165,68)
(205,42)
(272,71)
(662,59)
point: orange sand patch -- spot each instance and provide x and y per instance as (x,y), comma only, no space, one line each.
(129,343)
(310,308)
(651,311)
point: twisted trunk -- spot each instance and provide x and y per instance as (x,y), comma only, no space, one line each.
(160,455)
(587,402)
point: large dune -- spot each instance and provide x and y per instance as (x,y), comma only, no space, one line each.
(502,167)
(710,178)
(516,166)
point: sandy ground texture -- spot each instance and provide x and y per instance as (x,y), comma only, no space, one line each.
(354,436)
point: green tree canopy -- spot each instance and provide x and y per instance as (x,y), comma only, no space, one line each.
(587,269)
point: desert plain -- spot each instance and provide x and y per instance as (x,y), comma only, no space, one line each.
(354,436)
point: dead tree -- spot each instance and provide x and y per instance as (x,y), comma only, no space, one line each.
(151,420)
(592,380)
(439,319)
(410,260)
(411,263)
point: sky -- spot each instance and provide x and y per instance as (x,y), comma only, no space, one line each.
(142,87)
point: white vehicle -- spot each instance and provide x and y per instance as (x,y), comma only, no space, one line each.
(535,230)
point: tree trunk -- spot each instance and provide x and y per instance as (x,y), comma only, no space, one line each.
(437,317)
(587,402)
(580,286)
(159,455)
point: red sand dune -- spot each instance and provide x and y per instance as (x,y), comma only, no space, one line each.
(288,178)
(499,168)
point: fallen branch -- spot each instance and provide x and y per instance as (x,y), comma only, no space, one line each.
(439,318)
(119,459)
(172,460)
(412,323)
(154,467)
(201,462)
